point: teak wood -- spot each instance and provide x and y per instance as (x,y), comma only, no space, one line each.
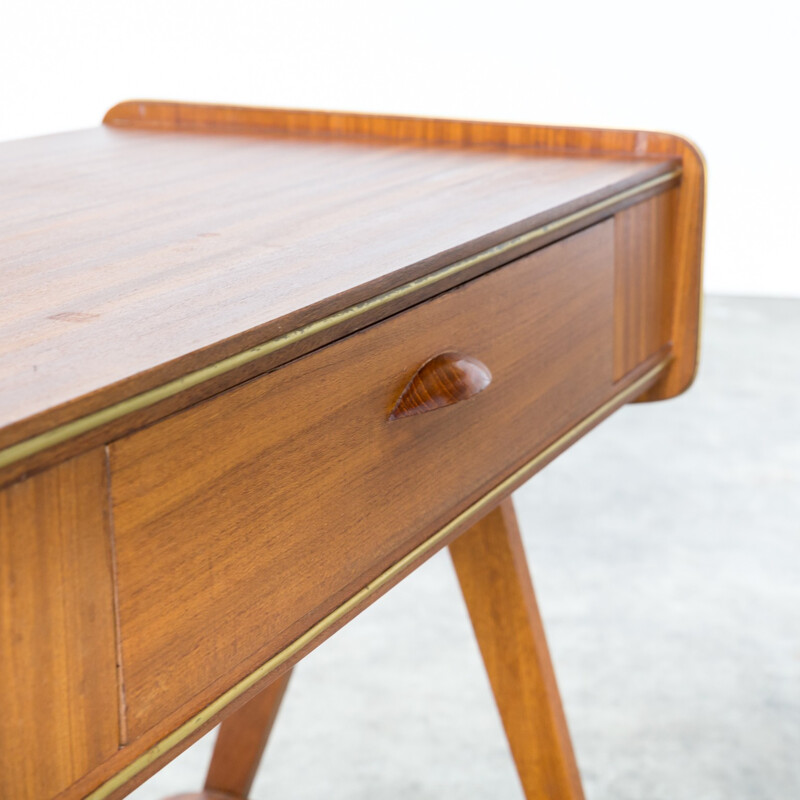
(304,229)
(240,745)
(241,741)
(493,573)
(643,242)
(258,365)
(683,302)
(442,381)
(329,493)
(58,675)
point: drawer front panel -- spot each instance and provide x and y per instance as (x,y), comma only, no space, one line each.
(243,520)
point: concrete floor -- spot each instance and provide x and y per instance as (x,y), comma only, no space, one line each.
(665,549)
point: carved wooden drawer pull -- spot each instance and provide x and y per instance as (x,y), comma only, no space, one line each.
(442,381)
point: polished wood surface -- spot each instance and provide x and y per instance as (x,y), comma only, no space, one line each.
(299,479)
(685,269)
(143,757)
(643,241)
(493,573)
(440,382)
(59,713)
(221,327)
(241,741)
(166,252)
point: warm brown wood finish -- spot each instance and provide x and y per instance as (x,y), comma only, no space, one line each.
(685,269)
(137,761)
(493,573)
(240,744)
(220,329)
(299,480)
(643,241)
(58,684)
(205,795)
(162,253)
(442,381)
(241,741)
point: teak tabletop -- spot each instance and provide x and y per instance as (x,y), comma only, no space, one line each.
(256,365)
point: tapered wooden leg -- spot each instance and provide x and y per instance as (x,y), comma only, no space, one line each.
(491,567)
(240,744)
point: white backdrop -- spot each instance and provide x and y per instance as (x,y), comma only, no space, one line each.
(726,75)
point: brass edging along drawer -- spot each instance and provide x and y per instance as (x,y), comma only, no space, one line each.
(208,715)
(241,522)
(91,426)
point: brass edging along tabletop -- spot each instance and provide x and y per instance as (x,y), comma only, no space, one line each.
(77,427)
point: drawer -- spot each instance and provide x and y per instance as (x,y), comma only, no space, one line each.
(245,519)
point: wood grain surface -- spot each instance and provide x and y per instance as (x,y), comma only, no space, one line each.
(58,679)
(242,520)
(686,267)
(442,381)
(239,746)
(143,249)
(241,741)
(177,236)
(142,757)
(643,242)
(493,572)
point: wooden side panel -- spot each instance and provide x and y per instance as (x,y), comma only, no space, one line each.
(643,291)
(58,681)
(244,520)
(687,255)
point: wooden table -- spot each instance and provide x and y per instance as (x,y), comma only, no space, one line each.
(257,365)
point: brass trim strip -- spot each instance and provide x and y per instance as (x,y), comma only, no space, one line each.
(525,471)
(77,427)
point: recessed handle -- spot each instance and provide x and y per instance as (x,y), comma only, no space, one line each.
(442,381)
